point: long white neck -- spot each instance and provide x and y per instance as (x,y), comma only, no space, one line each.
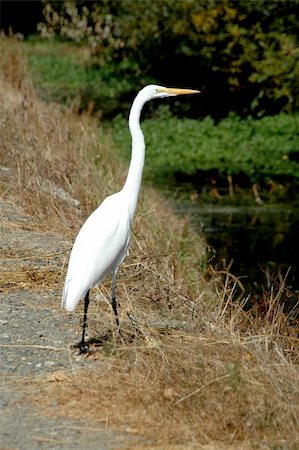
(133,181)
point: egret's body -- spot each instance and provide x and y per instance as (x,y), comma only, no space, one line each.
(103,240)
(100,247)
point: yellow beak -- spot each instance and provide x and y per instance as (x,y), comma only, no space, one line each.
(177,91)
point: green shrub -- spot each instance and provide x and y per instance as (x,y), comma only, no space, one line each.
(260,150)
(243,54)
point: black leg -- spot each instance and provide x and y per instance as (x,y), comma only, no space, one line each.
(113,298)
(82,345)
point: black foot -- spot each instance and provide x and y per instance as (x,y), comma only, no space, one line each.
(83,348)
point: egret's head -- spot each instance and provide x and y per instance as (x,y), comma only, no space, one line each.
(154,91)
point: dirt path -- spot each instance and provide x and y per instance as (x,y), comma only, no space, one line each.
(35,341)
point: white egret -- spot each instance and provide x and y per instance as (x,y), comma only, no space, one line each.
(103,240)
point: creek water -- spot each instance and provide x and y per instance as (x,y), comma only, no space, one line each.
(259,242)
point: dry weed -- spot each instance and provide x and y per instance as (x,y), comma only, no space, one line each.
(181,389)
(191,367)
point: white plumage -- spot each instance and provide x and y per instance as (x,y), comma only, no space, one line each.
(99,249)
(103,240)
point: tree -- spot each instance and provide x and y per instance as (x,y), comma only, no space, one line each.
(244,55)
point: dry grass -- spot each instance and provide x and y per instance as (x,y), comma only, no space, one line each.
(190,368)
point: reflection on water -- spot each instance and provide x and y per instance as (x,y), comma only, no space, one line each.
(260,240)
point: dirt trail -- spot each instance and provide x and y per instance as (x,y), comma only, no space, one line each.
(35,341)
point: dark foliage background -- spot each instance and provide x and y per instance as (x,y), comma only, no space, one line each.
(244,55)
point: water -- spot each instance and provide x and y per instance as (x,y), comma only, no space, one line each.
(261,242)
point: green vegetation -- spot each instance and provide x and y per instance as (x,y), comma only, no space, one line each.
(243,54)
(62,72)
(260,151)
(263,151)
(58,69)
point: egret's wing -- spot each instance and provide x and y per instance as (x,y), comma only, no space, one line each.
(99,248)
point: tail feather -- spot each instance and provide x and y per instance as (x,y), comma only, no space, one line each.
(72,293)
(64,293)
(65,303)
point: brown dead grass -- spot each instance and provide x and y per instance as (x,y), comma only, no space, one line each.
(183,390)
(191,368)
(34,279)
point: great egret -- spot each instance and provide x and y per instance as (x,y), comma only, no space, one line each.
(103,240)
